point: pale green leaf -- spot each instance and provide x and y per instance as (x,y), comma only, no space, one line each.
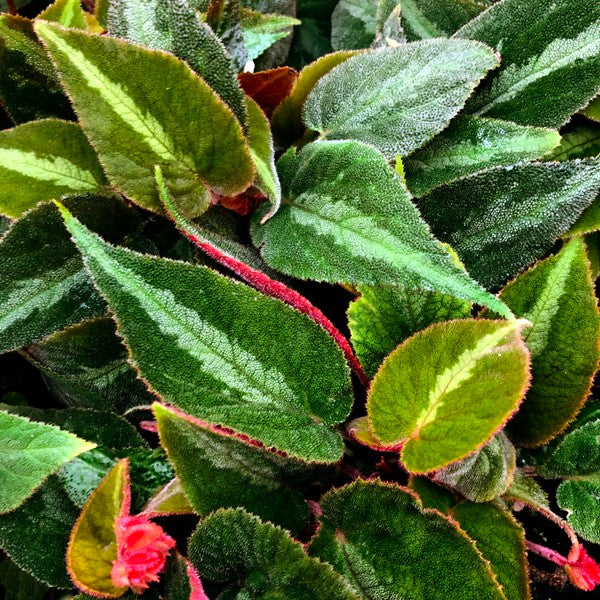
(448,389)
(66,12)
(526,490)
(580,141)
(260,31)
(592,110)
(354,24)
(397,99)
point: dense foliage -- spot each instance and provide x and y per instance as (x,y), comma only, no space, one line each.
(297,299)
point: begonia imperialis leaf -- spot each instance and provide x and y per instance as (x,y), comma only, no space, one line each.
(287,119)
(181,581)
(261,560)
(545,47)
(260,31)
(354,24)
(143,107)
(383,317)
(29,86)
(174,26)
(86,366)
(66,12)
(391,31)
(431,494)
(43,160)
(557,297)
(397,99)
(36,534)
(169,500)
(44,286)
(526,490)
(485,474)
(387,546)
(471,144)
(219,470)
(227,354)
(580,500)
(588,222)
(347,218)
(501,540)
(93,543)
(501,220)
(448,389)
(29,453)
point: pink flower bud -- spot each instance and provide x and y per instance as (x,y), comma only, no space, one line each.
(583,571)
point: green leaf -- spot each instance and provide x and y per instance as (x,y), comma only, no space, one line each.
(579,141)
(485,474)
(588,222)
(545,47)
(448,389)
(432,495)
(501,220)
(260,560)
(397,98)
(557,297)
(113,86)
(86,366)
(43,160)
(66,12)
(36,534)
(526,490)
(169,500)
(29,87)
(346,217)
(19,585)
(44,286)
(93,544)
(287,119)
(354,24)
(580,500)
(260,143)
(378,536)
(260,31)
(220,470)
(390,32)
(174,26)
(383,317)
(592,110)
(30,453)
(229,355)
(501,540)
(472,144)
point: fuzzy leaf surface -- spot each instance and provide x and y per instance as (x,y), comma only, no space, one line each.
(448,389)
(378,536)
(220,470)
(472,144)
(134,124)
(501,540)
(354,24)
(221,356)
(545,47)
(397,98)
(383,317)
(501,220)
(260,31)
(261,560)
(557,297)
(66,12)
(578,141)
(30,453)
(43,160)
(347,217)
(174,26)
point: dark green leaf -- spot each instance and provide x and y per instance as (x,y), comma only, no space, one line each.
(354,24)
(431,494)
(19,585)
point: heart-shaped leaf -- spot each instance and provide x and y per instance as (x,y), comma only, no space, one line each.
(448,389)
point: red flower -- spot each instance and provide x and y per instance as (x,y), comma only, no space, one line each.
(583,571)
(142,550)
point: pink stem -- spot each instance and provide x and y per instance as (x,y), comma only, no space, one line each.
(547,553)
(560,522)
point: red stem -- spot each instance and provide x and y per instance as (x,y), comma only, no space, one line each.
(12,7)
(547,553)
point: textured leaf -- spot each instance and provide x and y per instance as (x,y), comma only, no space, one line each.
(261,560)
(383,317)
(181,581)
(169,500)
(261,31)
(592,110)
(503,219)
(219,470)
(354,24)
(43,160)
(285,387)
(431,494)
(66,12)
(269,88)
(501,540)
(43,284)
(485,474)
(387,546)
(579,141)
(30,453)
(472,144)
(287,119)
(391,31)
(93,544)
(36,534)
(526,490)
(557,297)
(398,98)
(113,86)
(260,143)
(580,500)
(174,26)
(86,366)
(29,87)
(19,585)
(448,389)
(346,217)
(545,47)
